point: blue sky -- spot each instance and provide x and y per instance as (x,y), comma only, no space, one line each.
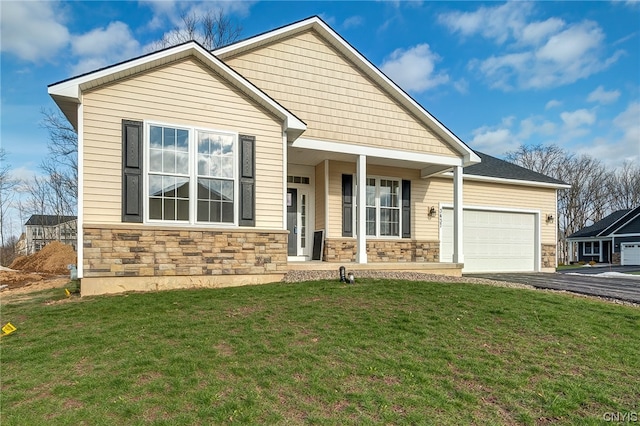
(497,74)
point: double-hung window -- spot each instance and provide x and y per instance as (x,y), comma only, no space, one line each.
(192,175)
(592,248)
(382,207)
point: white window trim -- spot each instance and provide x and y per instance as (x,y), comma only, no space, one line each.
(192,175)
(378,207)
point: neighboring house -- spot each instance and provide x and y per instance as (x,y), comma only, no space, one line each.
(42,229)
(21,245)
(230,167)
(614,239)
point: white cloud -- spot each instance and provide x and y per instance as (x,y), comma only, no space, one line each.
(539,54)
(414,69)
(33,31)
(498,23)
(535,32)
(602,96)
(462,86)
(353,22)
(535,126)
(104,46)
(578,118)
(553,103)
(628,122)
(493,141)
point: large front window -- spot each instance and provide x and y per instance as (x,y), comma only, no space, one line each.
(383,207)
(191,175)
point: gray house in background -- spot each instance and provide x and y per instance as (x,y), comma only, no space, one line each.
(614,239)
(42,229)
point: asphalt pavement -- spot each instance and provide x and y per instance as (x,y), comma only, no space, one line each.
(611,282)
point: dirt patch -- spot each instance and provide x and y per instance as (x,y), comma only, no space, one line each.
(52,259)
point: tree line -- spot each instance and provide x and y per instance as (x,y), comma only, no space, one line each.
(596,190)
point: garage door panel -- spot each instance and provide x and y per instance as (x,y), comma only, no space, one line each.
(493,240)
(630,254)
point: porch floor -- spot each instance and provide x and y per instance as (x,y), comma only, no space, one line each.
(451,269)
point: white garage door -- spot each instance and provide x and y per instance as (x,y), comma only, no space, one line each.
(630,254)
(493,241)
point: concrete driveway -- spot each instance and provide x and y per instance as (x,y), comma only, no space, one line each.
(609,282)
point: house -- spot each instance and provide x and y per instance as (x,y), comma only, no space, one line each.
(231,167)
(21,245)
(613,239)
(41,229)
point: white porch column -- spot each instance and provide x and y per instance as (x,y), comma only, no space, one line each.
(458,255)
(361,179)
(601,258)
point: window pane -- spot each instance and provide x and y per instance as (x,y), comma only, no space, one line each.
(371,221)
(203,211)
(371,192)
(227,212)
(155,185)
(182,163)
(168,186)
(182,143)
(155,160)
(226,168)
(226,190)
(169,142)
(182,188)
(183,209)
(169,209)
(168,161)
(215,213)
(155,208)
(155,137)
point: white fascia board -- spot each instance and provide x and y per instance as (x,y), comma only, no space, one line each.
(72,89)
(372,71)
(509,181)
(368,151)
(633,234)
(491,208)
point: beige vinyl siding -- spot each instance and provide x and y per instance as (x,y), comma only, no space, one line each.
(182,93)
(488,194)
(427,193)
(335,99)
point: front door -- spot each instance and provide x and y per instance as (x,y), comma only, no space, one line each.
(292,221)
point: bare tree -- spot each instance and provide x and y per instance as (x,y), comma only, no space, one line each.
(545,159)
(585,202)
(7,191)
(62,160)
(212,29)
(624,187)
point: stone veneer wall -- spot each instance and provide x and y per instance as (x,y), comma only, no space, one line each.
(148,252)
(616,258)
(344,250)
(549,255)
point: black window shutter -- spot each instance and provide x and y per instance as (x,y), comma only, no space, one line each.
(132,171)
(247,180)
(347,205)
(406,209)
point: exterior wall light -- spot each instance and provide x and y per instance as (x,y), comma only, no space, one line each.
(549,218)
(432,211)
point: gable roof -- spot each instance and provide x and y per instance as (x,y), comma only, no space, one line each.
(48,220)
(492,167)
(608,225)
(316,24)
(67,93)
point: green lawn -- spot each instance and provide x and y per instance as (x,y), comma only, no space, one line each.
(379,352)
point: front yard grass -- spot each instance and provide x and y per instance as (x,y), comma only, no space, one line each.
(378,352)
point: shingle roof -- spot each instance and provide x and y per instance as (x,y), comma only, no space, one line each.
(602,224)
(494,167)
(48,220)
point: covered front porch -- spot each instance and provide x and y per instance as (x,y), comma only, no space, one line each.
(400,222)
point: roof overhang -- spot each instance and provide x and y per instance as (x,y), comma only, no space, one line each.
(68,93)
(312,151)
(468,156)
(621,222)
(511,181)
